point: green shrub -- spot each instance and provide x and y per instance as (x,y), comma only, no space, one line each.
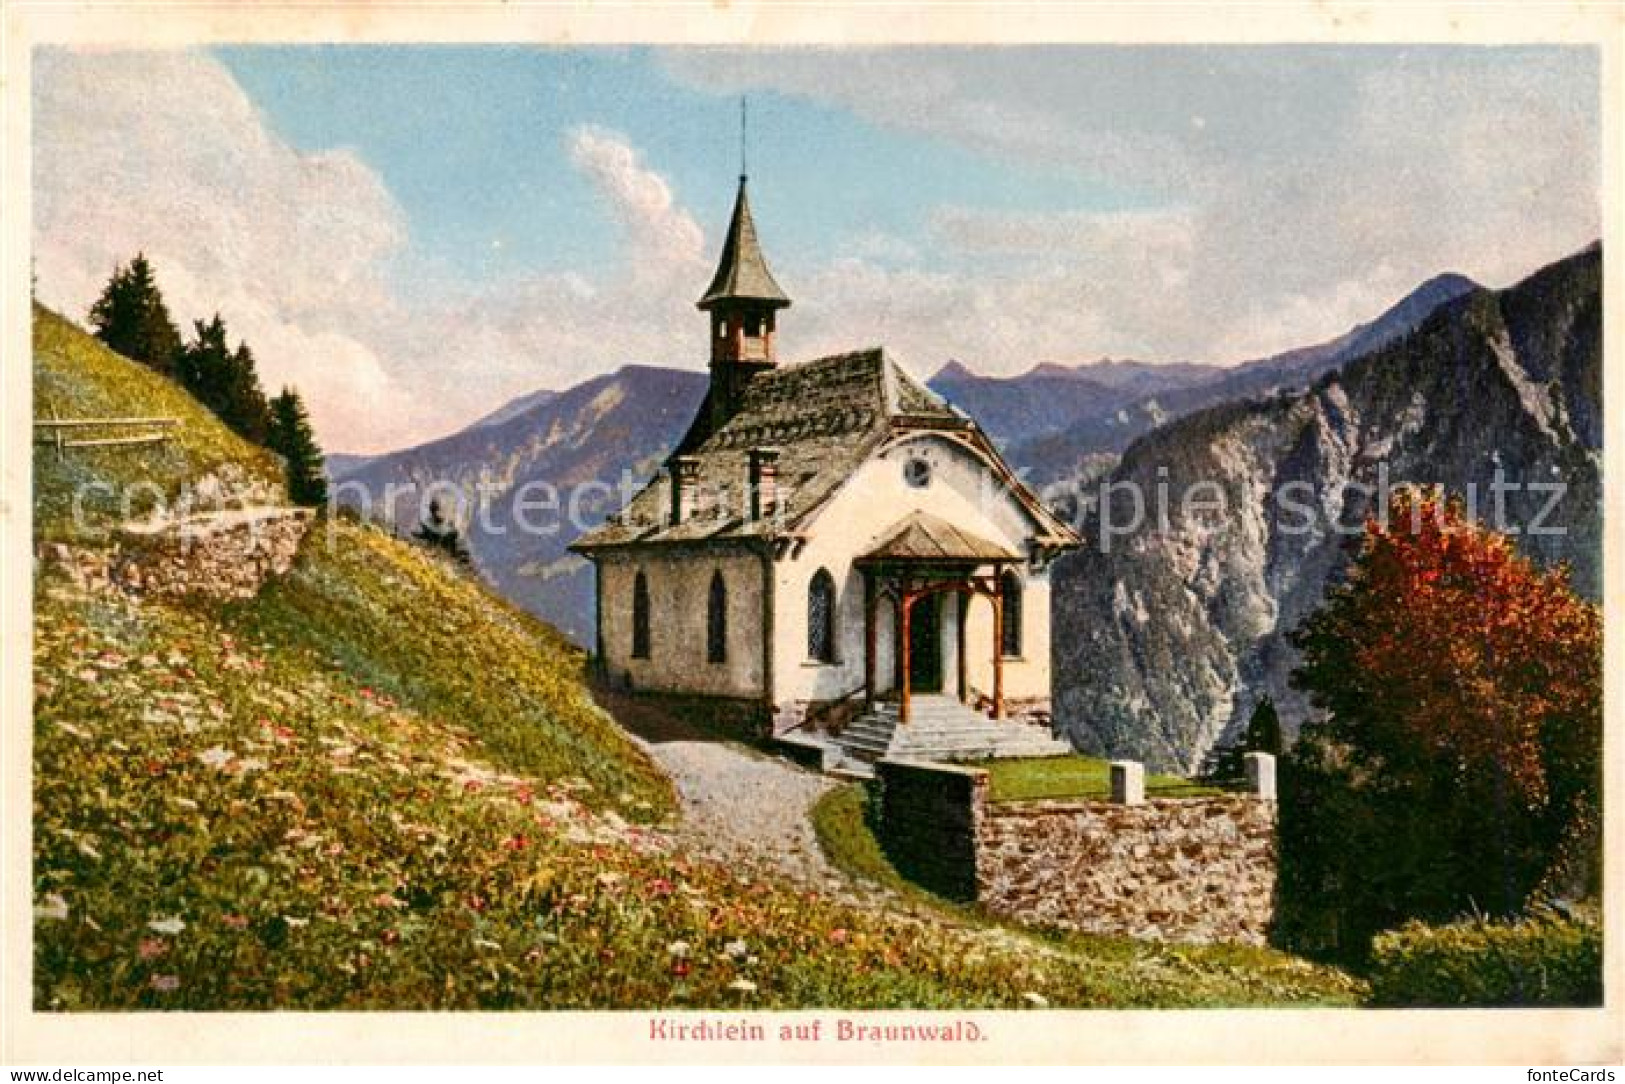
(1543,959)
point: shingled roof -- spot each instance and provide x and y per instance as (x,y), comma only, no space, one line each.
(742,273)
(825,417)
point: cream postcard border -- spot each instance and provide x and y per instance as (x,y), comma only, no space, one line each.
(1281,1036)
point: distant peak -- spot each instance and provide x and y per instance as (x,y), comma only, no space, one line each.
(1448,285)
(1416,305)
(955,370)
(1051,368)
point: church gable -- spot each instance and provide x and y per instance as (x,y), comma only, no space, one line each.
(954,475)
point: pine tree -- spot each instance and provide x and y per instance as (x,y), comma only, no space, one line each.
(291,437)
(1227,763)
(132,319)
(225,380)
(246,409)
(1264,729)
(439,532)
(205,363)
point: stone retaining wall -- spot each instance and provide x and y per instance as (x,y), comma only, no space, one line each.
(1197,870)
(221,554)
(1172,869)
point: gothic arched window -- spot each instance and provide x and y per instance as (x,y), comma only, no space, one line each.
(716,621)
(821,617)
(1010,594)
(640,617)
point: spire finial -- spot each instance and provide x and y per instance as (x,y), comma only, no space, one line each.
(743,131)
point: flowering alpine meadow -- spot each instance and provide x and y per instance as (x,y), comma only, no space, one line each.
(377,786)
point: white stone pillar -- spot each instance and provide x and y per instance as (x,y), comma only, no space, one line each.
(1128,782)
(1261,776)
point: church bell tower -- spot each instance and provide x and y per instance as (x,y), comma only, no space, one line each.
(743,303)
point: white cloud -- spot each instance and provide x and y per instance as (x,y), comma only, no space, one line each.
(305,255)
(163,153)
(664,239)
(1294,191)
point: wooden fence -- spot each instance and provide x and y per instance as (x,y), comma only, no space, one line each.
(62,433)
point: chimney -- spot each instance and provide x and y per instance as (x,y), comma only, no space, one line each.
(685,484)
(764,482)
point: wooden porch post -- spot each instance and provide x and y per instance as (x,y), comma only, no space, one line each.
(868,640)
(959,644)
(998,656)
(906,604)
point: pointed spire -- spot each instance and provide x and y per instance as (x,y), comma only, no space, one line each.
(742,273)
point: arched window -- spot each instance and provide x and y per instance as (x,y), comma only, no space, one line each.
(821,617)
(640,617)
(1010,594)
(716,621)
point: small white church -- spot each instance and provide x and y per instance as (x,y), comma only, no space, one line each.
(829,539)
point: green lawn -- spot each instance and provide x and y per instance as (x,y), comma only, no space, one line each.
(1015,780)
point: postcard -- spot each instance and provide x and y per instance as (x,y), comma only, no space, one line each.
(809,535)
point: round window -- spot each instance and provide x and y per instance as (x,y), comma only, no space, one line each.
(917,472)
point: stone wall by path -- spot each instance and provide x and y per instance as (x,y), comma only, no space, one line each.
(221,554)
(928,823)
(1197,870)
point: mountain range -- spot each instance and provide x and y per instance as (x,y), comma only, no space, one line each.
(1165,638)
(536,451)
(1054,421)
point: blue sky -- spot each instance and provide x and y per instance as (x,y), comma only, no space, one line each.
(415,234)
(472,144)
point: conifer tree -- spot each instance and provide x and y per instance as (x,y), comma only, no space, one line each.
(225,380)
(439,532)
(291,437)
(205,363)
(1227,763)
(132,319)
(245,408)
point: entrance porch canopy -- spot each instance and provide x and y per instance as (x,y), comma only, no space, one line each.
(923,556)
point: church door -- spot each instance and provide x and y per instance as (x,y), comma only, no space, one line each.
(925,645)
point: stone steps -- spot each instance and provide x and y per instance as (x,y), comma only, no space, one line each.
(941,728)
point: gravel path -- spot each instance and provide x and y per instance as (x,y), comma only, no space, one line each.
(739,806)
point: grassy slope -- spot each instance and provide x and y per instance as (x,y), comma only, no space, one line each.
(1012,780)
(75,376)
(229,815)
(412,627)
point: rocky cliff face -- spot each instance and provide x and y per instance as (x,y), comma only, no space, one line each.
(1166,636)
